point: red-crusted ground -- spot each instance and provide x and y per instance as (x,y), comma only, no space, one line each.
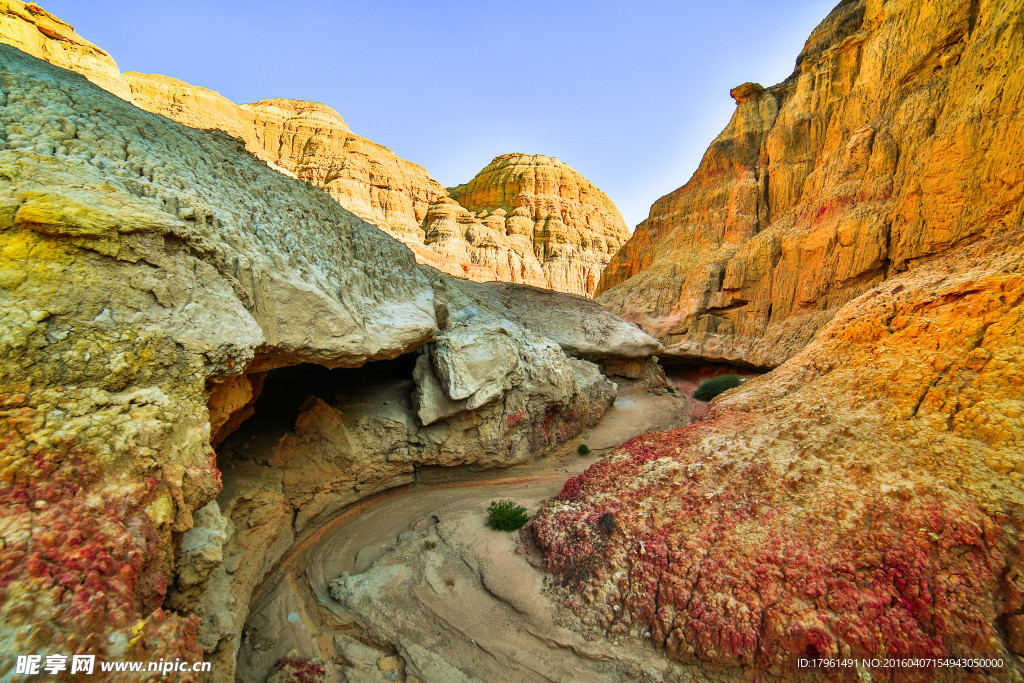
(81,546)
(863,499)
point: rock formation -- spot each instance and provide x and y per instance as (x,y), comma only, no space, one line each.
(32,29)
(865,497)
(312,142)
(571,228)
(547,209)
(851,171)
(157,286)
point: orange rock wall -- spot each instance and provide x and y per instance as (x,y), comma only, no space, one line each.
(863,499)
(854,169)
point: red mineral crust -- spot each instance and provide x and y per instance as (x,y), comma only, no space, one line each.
(83,548)
(863,499)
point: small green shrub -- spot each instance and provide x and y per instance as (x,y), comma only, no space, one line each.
(583,449)
(506,515)
(710,388)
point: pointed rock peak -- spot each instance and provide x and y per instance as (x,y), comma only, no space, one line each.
(742,93)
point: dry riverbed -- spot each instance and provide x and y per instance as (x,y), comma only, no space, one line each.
(412,584)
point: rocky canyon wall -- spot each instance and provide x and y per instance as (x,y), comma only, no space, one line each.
(894,140)
(561,230)
(155,281)
(864,498)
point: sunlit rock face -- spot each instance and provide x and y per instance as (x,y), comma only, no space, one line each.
(565,233)
(312,142)
(896,139)
(32,29)
(865,497)
(547,209)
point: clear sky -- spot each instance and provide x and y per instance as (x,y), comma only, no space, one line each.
(630,94)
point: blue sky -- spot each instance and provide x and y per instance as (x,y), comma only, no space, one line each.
(628,93)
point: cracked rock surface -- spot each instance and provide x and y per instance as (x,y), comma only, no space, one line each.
(153,278)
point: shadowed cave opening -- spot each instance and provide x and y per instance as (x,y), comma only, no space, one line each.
(282,392)
(688,374)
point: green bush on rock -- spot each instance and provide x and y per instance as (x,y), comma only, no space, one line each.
(710,388)
(506,515)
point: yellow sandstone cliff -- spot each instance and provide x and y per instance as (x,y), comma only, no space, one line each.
(32,29)
(864,497)
(546,208)
(852,170)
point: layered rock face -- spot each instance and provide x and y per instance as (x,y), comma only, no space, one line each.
(32,29)
(853,170)
(155,279)
(547,209)
(864,498)
(524,219)
(310,141)
(570,229)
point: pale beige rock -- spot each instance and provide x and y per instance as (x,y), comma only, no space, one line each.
(472,362)
(581,327)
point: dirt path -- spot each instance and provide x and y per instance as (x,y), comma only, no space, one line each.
(422,589)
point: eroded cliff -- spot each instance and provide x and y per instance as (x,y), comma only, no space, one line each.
(563,244)
(864,498)
(155,282)
(550,211)
(895,139)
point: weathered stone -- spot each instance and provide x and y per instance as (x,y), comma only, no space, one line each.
(864,497)
(152,276)
(134,280)
(32,29)
(849,172)
(311,141)
(472,362)
(581,327)
(552,213)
